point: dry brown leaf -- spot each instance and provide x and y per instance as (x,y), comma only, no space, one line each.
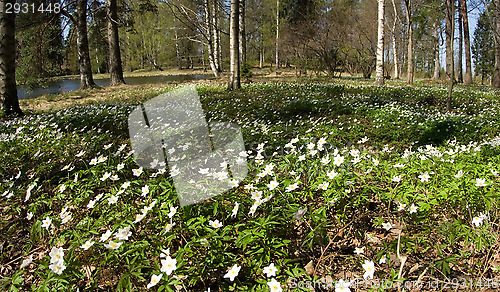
(309,268)
(414,268)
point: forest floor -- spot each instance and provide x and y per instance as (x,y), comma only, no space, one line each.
(145,72)
(348,184)
(264,75)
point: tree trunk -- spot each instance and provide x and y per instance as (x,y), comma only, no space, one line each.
(395,55)
(468,65)
(8,89)
(97,61)
(262,60)
(277,33)
(177,50)
(394,42)
(153,62)
(115,60)
(203,57)
(449,29)
(216,36)
(210,39)
(219,50)
(234,80)
(86,79)
(496,31)
(437,64)
(379,77)
(242,34)
(409,76)
(460,46)
(386,61)
(261,57)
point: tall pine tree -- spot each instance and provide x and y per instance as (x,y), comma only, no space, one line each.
(483,48)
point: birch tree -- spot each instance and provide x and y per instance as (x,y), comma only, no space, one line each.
(216,34)
(234,78)
(437,63)
(394,41)
(379,77)
(409,76)
(177,48)
(210,38)
(242,34)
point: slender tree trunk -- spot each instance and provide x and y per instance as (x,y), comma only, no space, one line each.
(277,33)
(203,57)
(379,76)
(219,51)
(177,50)
(127,56)
(394,41)
(210,39)
(264,55)
(86,79)
(449,29)
(468,64)
(234,81)
(395,55)
(115,60)
(215,35)
(8,89)
(261,48)
(460,46)
(97,62)
(496,29)
(409,76)
(437,64)
(152,59)
(242,34)
(261,53)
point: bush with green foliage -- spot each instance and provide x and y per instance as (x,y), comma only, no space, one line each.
(246,70)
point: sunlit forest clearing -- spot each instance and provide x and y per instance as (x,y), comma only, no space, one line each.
(370,135)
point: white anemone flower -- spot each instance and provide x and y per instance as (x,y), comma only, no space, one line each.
(232,273)
(155,279)
(270,270)
(168,265)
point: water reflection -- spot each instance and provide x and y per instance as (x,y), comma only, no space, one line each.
(67,85)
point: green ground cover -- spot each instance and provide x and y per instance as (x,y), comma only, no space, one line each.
(345,182)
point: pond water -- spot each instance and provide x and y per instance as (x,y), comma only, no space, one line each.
(66,85)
